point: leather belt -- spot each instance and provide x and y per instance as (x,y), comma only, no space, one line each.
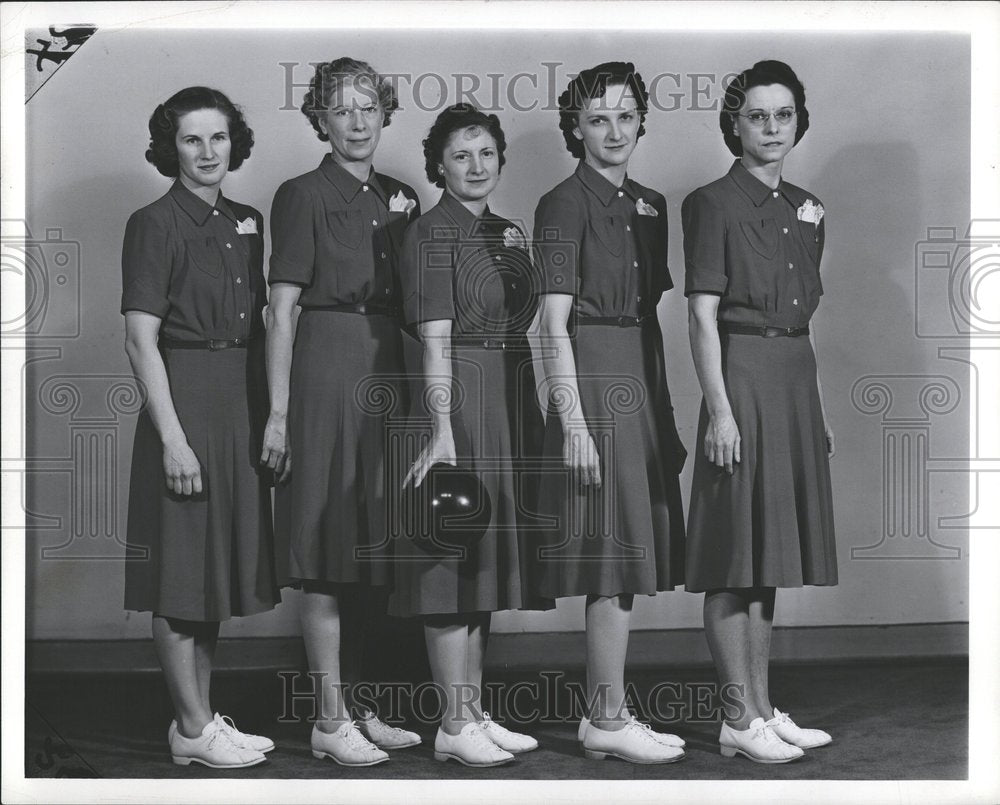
(765,331)
(212,344)
(615,321)
(484,342)
(363,309)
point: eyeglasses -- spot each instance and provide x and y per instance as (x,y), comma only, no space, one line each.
(759,119)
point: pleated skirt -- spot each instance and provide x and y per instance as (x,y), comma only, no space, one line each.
(497,426)
(208,557)
(770,523)
(347,382)
(627,536)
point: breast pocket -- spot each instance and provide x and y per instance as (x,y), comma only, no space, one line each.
(347,228)
(610,233)
(762,235)
(204,255)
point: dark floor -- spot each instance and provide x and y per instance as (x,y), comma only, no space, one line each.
(889,721)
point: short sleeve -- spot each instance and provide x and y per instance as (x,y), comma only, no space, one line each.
(293,242)
(146,265)
(427,270)
(556,240)
(704,225)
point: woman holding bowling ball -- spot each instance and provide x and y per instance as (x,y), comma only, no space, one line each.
(466,275)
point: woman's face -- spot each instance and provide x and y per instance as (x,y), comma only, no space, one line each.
(470,164)
(353,122)
(203,147)
(609,127)
(768,141)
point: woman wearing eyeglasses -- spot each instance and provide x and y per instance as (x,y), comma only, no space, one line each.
(761,505)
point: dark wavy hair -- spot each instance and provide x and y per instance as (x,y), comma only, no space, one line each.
(162,151)
(331,76)
(594,83)
(457,118)
(762,74)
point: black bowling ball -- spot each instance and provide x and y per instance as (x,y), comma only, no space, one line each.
(448,513)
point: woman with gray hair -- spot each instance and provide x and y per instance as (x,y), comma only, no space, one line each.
(336,233)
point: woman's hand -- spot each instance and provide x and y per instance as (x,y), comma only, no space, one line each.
(580,454)
(830,446)
(722,442)
(276,454)
(181,468)
(439,450)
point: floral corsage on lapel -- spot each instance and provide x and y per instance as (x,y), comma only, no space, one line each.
(643,208)
(810,212)
(513,239)
(400,203)
(247,227)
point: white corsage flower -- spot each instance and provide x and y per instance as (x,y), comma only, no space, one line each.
(643,208)
(247,227)
(810,212)
(400,203)
(513,239)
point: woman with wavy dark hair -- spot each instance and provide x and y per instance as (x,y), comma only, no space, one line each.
(199,504)
(600,241)
(468,286)
(336,233)
(761,501)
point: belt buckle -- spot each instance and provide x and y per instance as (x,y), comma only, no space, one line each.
(361,308)
(626,321)
(790,331)
(213,345)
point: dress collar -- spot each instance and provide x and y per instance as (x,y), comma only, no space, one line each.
(754,188)
(461,215)
(198,208)
(347,183)
(601,187)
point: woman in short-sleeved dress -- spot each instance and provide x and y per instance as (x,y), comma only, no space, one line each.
(761,504)
(467,278)
(199,504)
(335,234)
(601,243)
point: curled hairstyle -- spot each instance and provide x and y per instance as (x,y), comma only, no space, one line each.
(762,74)
(457,118)
(327,86)
(163,124)
(594,83)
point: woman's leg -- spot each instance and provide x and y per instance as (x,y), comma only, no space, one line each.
(448,651)
(727,629)
(761,618)
(174,641)
(738,627)
(607,644)
(321,635)
(205,640)
(353,603)
(479,635)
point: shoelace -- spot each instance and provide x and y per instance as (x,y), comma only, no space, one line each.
(221,735)
(767,734)
(481,739)
(374,722)
(355,740)
(229,726)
